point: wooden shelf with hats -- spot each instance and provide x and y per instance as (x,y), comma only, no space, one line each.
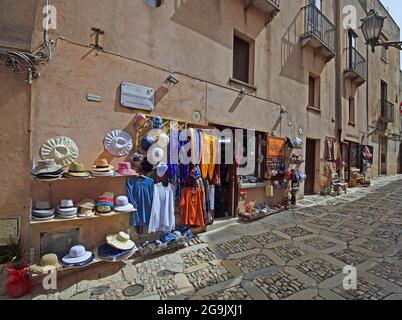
(74,179)
(61,220)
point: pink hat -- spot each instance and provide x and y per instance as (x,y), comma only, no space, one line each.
(124,168)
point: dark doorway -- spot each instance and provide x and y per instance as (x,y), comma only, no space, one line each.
(383,154)
(310,166)
(226,192)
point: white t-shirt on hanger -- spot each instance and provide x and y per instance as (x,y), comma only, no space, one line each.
(162,212)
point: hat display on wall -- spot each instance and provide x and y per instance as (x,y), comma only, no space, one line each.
(120,241)
(77,171)
(163,140)
(78,257)
(86,207)
(102,168)
(118,142)
(147,142)
(42,211)
(62,150)
(161,169)
(47,170)
(157,122)
(67,209)
(122,205)
(124,168)
(48,260)
(156,154)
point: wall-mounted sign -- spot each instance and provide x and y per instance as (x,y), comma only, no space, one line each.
(94,97)
(137,97)
(400,108)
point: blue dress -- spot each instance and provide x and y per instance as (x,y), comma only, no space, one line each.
(140,192)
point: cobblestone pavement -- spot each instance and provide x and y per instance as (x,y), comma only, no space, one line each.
(297,254)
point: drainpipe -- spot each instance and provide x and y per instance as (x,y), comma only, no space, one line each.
(338,74)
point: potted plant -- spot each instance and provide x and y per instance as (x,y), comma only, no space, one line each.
(18,274)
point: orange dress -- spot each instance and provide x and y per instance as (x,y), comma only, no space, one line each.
(192,207)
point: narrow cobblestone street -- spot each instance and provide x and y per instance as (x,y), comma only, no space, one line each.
(299,254)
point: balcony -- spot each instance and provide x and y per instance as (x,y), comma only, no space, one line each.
(269,7)
(356,67)
(318,32)
(387,111)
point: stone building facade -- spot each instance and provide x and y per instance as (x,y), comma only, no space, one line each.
(298,81)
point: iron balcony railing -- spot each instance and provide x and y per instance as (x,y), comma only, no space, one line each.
(355,61)
(318,25)
(387,111)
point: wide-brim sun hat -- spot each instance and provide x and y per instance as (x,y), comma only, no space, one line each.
(155,155)
(80,264)
(77,254)
(119,143)
(120,241)
(47,166)
(47,261)
(127,208)
(62,150)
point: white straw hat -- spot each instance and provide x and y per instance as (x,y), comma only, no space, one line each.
(63,150)
(120,241)
(119,143)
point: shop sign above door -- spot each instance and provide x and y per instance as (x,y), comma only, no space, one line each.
(137,97)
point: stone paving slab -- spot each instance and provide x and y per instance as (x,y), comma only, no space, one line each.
(297,254)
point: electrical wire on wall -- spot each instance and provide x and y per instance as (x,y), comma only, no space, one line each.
(22,61)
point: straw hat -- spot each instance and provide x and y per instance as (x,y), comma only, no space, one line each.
(48,260)
(47,167)
(102,165)
(120,241)
(119,143)
(77,170)
(62,150)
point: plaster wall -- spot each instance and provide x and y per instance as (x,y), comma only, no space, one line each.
(15,100)
(17,20)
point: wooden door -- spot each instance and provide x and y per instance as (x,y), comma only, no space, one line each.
(310,166)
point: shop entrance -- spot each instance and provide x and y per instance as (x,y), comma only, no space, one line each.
(226,193)
(311,166)
(383,155)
